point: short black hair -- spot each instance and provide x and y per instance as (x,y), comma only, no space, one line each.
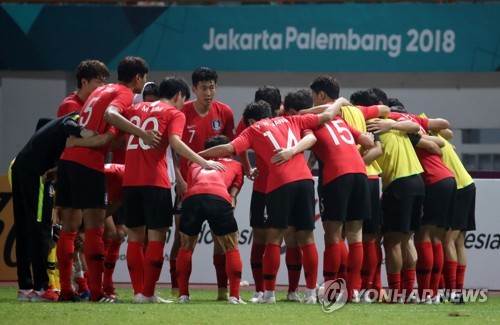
(203,74)
(90,69)
(271,95)
(326,84)
(170,86)
(381,95)
(364,97)
(216,140)
(151,89)
(298,99)
(130,66)
(256,110)
(396,105)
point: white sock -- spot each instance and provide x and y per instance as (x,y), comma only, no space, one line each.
(310,292)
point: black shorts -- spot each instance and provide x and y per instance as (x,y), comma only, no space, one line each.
(119,216)
(402,212)
(291,205)
(372,225)
(80,187)
(346,198)
(217,211)
(465,210)
(149,206)
(258,213)
(177,209)
(439,203)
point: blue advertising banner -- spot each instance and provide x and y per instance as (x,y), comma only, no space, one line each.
(349,37)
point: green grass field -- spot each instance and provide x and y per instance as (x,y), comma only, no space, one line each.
(205,310)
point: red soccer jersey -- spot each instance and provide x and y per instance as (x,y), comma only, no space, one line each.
(369,112)
(268,135)
(114,181)
(70,104)
(92,118)
(198,129)
(146,166)
(211,181)
(434,168)
(336,148)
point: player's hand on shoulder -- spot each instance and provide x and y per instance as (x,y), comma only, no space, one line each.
(343,101)
(209,164)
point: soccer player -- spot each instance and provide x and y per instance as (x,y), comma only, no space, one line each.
(345,194)
(90,74)
(464,220)
(205,117)
(146,185)
(31,189)
(211,196)
(81,179)
(289,196)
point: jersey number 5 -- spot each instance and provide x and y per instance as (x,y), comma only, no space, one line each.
(339,131)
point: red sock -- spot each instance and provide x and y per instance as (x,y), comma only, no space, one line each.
(442,284)
(394,283)
(354,263)
(153,262)
(173,273)
(112,254)
(344,253)
(293,259)
(271,265)
(94,256)
(135,264)
(377,280)
(424,266)
(437,267)
(450,274)
(256,263)
(65,252)
(310,262)
(234,268)
(331,261)
(370,262)
(220,270)
(184,270)
(408,284)
(460,275)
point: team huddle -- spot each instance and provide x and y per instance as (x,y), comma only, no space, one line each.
(420,217)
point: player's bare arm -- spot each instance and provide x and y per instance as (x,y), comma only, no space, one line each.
(437,124)
(373,153)
(440,142)
(366,140)
(380,126)
(182,149)
(250,172)
(332,110)
(283,155)
(95,141)
(222,150)
(429,146)
(180,183)
(233,193)
(446,133)
(150,137)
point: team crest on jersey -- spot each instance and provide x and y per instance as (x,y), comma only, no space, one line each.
(216,125)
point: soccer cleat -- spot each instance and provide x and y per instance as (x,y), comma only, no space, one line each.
(104,299)
(158,300)
(235,301)
(72,297)
(436,300)
(293,296)
(256,296)
(270,300)
(24,295)
(85,295)
(184,300)
(426,301)
(222,295)
(141,299)
(311,300)
(47,296)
